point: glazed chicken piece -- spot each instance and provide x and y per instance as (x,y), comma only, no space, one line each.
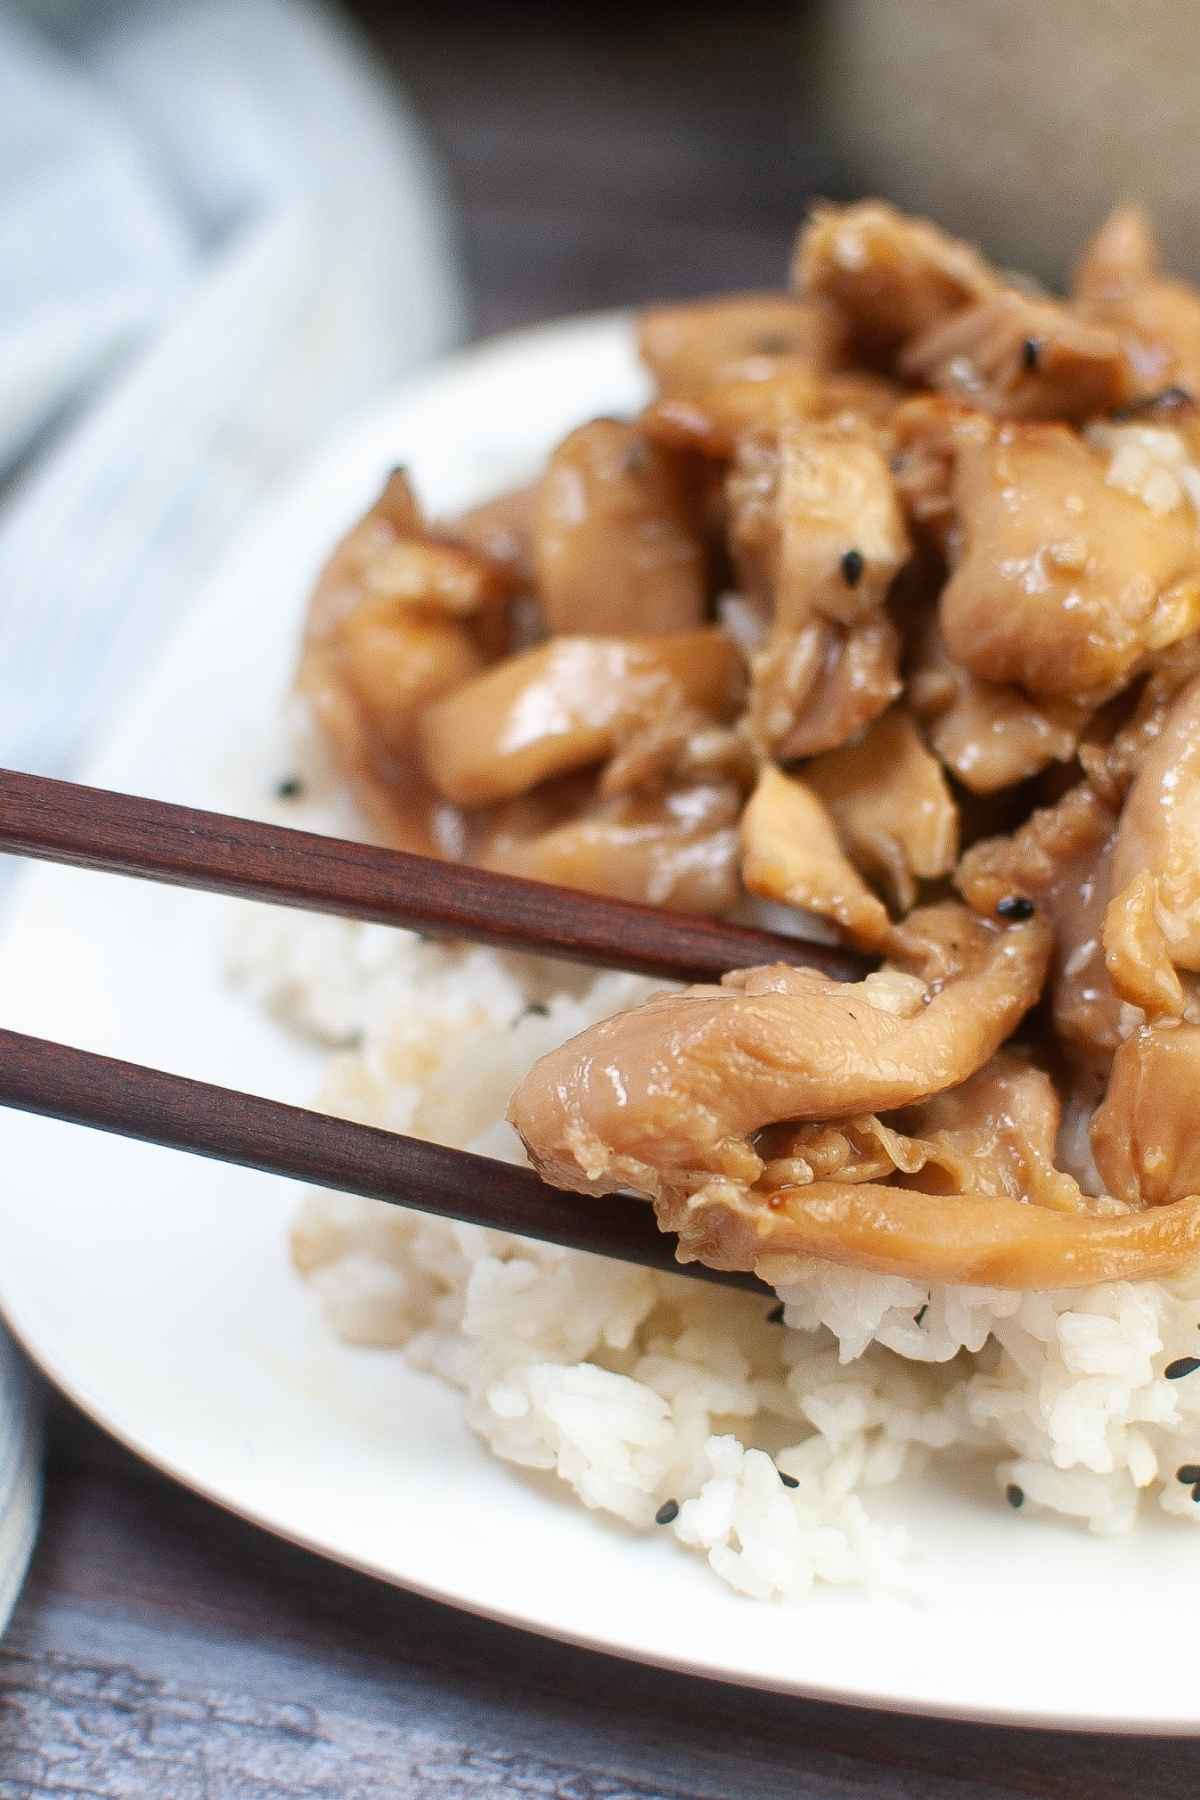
(1152,926)
(989,734)
(1144,1134)
(817,536)
(690,346)
(503,529)
(394,623)
(889,277)
(1021,358)
(791,854)
(616,548)
(926,432)
(1119,284)
(1060,861)
(1064,581)
(675,845)
(889,801)
(666,1098)
(567,704)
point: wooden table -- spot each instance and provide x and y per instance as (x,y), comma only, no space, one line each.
(164,1648)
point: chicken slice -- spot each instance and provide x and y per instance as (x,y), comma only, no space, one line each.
(959,1239)
(927,430)
(817,536)
(791,854)
(503,529)
(1152,926)
(989,734)
(889,277)
(1021,358)
(676,846)
(712,421)
(689,346)
(1065,580)
(995,1136)
(393,624)
(888,799)
(1144,1135)
(615,546)
(1060,861)
(568,704)
(666,1098)
(1119,284)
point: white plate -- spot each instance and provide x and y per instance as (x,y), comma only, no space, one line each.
(156,1290)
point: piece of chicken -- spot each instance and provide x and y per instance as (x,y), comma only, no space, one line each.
(791,854)
(616,546)
(676,845)
(1119,283)
(889,277)
(1144,1134)
(393,625)
(889,801)
(1064,581)
(1060,862)
(503,529)
(666,1098)
(926,432)
(1152,926)
(989,734)
(817,535)
(567,704)
(1018,357)
(712,421)
(693,344)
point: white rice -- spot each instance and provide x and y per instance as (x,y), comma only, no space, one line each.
(639,1389)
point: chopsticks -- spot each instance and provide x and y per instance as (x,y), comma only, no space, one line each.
(93,828)
(78,1086)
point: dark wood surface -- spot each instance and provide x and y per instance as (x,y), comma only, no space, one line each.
(164,1648)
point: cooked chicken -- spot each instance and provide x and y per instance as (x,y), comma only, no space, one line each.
(665,1099)
(989,734)
(389,630)
(791,853)
(1021,358)
(689,346)
(956,1238)
(568,704)
(1119,284)
(677,846)
(894,813)
(889,277)
(1144,1134)
(1060,861)
(1064,581)
(950,528)
(1153,923)
(817,535)
(615,546)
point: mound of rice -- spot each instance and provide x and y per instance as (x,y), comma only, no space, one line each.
(642,1390)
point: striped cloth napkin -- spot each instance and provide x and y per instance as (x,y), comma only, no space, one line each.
(220,231)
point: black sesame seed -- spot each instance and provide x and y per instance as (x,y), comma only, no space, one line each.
(1015,907)
(667,1513)
(775,1316)
(537,1009)
(1196,1491)
(918,1316)
(1031,351)
(1014,1495)
(1188,1474)
(290,788)
(853,564)
(788,1480)
(1183,1365)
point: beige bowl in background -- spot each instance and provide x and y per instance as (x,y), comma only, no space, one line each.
(1019,122)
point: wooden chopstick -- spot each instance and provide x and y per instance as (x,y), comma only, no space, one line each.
(60,1082)
(93,828)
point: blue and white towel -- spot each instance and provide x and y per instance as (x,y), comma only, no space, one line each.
(220,231)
